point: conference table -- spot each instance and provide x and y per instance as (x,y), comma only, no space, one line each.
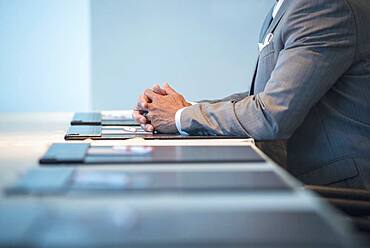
(293,217)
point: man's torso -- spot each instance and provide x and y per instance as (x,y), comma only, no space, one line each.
(333,142)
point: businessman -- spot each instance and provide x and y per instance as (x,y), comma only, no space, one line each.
(309,102)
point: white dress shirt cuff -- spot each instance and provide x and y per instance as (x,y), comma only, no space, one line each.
(178,121)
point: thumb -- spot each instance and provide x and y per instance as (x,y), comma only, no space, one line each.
(169,89)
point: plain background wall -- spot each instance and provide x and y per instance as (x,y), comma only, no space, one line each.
(205,48)
(44,55)
(68,55)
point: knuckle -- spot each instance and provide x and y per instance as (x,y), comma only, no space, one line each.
(143,98)
(138,105)
(154,125)
(143,105)
(140,98)
(151,107)
(149,116)
(149,127)
(147,91)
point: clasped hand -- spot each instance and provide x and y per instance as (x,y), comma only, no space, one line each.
(157,107)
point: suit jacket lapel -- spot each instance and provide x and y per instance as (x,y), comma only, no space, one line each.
(266,25)
(278,17)
(270,29)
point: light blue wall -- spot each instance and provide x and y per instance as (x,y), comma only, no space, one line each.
(44,52)
(205,48)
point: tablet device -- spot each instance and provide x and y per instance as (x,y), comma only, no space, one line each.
(84,153)
(82,132)
(51,181)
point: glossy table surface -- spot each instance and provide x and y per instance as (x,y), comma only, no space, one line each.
(25,137)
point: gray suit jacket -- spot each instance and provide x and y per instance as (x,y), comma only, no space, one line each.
(310,96)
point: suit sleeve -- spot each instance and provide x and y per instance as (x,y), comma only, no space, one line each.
(233,97)
(319,46)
